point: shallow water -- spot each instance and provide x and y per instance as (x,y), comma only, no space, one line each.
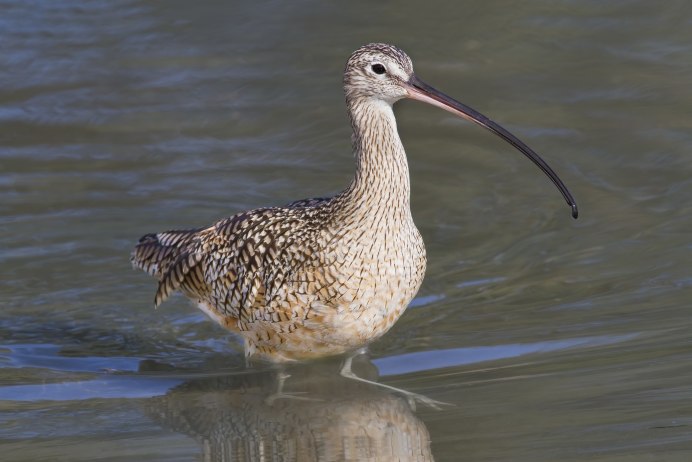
(553,339)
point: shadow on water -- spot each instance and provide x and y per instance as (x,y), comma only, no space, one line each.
(322,416)
(300,411)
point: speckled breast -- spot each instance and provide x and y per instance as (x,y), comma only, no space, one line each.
(351,294)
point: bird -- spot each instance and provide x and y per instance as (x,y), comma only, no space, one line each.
(322,276)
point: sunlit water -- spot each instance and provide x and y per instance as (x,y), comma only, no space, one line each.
(552,339)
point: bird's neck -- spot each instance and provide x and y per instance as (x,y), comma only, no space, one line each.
(382,175)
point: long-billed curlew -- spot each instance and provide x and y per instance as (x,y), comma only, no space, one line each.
(325,276)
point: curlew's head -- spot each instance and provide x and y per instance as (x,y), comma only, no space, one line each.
(377,70)
(384,73)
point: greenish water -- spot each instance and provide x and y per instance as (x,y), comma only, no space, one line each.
(554,339)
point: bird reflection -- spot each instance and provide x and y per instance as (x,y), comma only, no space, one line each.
(317,415)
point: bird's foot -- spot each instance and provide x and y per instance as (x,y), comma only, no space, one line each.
(281,394)
(411,397)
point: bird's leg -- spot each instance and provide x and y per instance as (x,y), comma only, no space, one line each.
(410,396)
(281,394)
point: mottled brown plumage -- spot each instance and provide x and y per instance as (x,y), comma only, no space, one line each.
(320,276)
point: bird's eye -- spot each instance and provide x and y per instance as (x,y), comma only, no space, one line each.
(378,69)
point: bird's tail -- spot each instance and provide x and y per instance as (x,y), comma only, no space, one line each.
(169,256)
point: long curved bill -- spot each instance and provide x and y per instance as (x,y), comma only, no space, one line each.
(421,91)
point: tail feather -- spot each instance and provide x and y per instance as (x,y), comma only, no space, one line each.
(168,256)
(175,276)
